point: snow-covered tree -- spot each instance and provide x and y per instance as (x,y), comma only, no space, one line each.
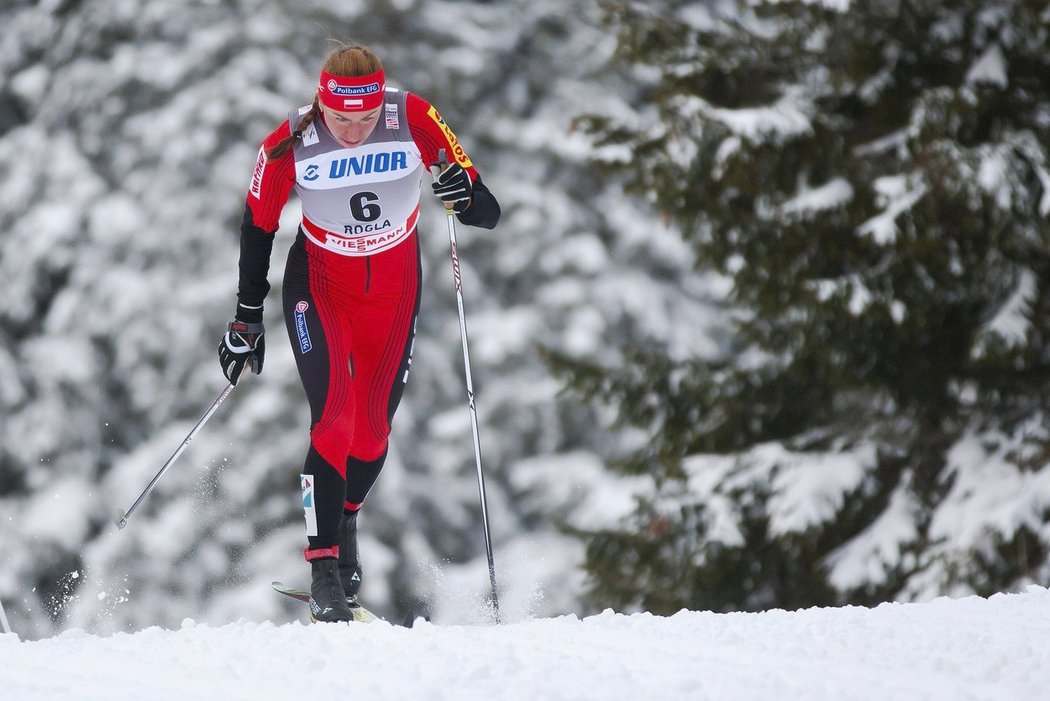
(128,130)
(872,180)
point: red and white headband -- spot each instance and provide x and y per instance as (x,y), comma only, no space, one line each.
(351,93)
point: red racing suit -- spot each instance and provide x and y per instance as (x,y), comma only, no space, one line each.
(351,285)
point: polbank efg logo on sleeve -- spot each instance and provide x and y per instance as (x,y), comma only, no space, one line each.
(300,327)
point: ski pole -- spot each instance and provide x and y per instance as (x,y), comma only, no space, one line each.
(4,625)
(123,516)
(450,217)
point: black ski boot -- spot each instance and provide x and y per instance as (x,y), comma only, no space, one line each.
(349,565)
(327,601)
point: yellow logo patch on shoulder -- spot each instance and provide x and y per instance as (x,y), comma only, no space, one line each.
(458,153)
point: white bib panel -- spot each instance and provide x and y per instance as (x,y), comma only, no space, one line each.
(362,200)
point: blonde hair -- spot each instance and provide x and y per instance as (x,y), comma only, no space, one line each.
(348,59)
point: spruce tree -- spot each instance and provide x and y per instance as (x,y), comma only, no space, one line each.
(873,180)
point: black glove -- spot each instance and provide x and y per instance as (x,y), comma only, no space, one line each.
(243,343)
(453,185)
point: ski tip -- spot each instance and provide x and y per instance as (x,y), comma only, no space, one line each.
(121,519)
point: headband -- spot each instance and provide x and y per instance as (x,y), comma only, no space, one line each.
(351,93)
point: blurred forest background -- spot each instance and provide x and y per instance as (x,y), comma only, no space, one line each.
(765,322)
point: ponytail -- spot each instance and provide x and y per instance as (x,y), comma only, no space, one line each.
(278,150)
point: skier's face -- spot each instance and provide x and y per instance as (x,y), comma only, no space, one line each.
(350,129)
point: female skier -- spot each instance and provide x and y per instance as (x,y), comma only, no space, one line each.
(357,158)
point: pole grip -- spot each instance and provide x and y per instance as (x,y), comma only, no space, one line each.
(436,169)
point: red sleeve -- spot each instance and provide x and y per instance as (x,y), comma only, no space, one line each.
(271,183)
(268,192)
(431,133)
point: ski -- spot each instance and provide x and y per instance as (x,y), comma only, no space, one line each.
(359,612)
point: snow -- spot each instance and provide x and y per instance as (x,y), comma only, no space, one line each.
(897,194)
(970,648)
(867,558)
(807,489)
(810,489)
(582,505)
(1011,323)
(993,176)
(101,379)
(989,492)
(990,68)
(786,118)
(834,193)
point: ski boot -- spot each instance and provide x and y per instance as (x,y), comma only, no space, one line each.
(327,600)
(349,565)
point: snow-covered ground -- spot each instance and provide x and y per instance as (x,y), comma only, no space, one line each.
(972,648)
